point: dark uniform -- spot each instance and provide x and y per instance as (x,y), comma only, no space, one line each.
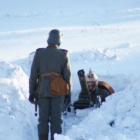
(102,92)
(46,60)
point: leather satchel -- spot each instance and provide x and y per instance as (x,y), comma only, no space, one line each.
(59,86)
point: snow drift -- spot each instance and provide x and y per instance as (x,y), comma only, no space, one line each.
(15,111)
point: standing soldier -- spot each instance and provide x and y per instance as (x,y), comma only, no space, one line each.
(46,61)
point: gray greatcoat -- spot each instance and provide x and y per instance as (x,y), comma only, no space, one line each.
(46,60)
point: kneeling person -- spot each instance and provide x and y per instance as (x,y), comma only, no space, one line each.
(94,90)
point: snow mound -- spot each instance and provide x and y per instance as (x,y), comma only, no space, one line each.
(10,71)
(25,63)
(15,109)
(100,54)
(118,117)
(93,54)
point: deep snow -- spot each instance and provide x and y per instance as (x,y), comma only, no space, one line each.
(103,36)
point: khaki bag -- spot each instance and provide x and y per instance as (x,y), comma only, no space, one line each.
(59,86)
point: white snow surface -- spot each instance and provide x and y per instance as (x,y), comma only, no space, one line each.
(101,35)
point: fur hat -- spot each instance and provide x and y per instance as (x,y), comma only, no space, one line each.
(91,76)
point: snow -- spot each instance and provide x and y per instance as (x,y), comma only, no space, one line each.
(101,35)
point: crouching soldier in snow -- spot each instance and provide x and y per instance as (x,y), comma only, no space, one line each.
(48,60)
(96,95)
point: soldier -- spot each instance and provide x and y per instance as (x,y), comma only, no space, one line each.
(92,83)
(48,60)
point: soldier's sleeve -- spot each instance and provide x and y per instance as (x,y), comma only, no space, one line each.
(103,93)
(33,73)
(67,70)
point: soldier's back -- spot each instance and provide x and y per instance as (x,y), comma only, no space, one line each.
(51,59)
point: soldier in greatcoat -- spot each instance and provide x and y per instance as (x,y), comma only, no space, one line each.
(48,60)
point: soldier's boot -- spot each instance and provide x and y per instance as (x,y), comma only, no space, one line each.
(43,137)
(52,137)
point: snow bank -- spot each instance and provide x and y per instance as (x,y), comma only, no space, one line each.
(118,118)
(16,114)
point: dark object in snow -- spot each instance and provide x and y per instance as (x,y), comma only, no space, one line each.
(67,101)
(36,96)
(93,98)
(112,123)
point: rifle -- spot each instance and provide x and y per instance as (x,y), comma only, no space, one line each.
(36,96)
(66,107)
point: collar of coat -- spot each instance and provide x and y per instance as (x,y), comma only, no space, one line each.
(53,46)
